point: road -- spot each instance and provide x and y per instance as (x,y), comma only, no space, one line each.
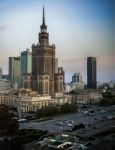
(96,119)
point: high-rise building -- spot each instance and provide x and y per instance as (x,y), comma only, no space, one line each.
(59,80)
(91,73)
(77,77)
(26,64)
(44,67)
(0,73)
(77,82)
(14,70)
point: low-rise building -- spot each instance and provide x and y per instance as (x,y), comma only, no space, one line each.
(8,100)
(33,103)
(85,96)
(30,100)
(89,98)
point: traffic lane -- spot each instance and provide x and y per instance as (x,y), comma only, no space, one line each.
(88,132)
(49,125)
(79,117)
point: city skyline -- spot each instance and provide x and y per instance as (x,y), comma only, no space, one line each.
(68,22)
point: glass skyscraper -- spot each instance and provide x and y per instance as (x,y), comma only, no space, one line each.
(26,64)
(91,73)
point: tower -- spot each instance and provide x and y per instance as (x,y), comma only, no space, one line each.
(59,80)
(77,82)
(91,73)
(43,62)
(77,77)
(14,70)
(26,64)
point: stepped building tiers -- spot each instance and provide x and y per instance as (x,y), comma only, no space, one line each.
(46,78)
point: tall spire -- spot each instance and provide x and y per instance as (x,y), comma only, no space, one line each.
(43,15)
(43,26)
(43,35)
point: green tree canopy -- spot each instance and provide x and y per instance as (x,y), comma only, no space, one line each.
(8,125)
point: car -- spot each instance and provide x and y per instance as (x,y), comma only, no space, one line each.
(86,112)
(22,120)
(59,123)
(102,111)
(92,114)
(61,128)
(69,121)
(70,125)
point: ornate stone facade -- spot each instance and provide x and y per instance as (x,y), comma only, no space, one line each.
(44,65)
(27,81)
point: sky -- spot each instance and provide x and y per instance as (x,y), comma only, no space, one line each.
(78,28)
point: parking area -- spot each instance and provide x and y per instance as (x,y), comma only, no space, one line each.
(95,117)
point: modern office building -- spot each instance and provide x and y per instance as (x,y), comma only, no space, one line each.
(14,70)
(0,73)
(76,83)
(77,77)
(44,64)
(26,64)
(91,73)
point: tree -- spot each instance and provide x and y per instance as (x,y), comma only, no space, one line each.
(68,108)
(8,125)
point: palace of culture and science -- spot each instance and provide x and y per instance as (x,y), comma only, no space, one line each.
(46,77)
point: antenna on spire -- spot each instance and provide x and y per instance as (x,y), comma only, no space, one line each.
(43,15)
